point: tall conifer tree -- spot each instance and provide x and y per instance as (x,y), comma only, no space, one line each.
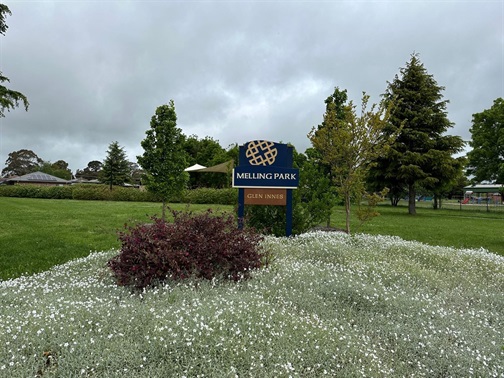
(421,146)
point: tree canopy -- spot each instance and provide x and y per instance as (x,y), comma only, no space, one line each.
(207,152)
(164,158)
(91,172)
(21,162)
(58,169)
(486,159)
(9,99)
(422,153)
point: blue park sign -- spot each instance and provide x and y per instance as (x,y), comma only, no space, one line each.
(265,164)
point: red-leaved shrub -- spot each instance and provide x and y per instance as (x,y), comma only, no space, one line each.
(201,245)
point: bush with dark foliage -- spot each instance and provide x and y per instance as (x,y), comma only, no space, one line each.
(201,245)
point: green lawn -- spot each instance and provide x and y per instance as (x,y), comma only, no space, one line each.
(452,228)
(37,234)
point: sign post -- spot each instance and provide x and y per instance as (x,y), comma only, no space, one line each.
(265,176)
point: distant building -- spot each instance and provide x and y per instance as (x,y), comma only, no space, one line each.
(36,178)
(480,192)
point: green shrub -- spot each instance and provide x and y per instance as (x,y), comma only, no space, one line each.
(195,245)
(271,220)
(131,194)
(91,192)
(59,192)
(98,192)
(36,191)
(9,191)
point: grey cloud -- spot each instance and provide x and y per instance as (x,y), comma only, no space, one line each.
(94,72)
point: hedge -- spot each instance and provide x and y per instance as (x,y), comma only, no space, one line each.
(102,192)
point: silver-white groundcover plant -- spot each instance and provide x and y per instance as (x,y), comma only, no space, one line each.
(329,305)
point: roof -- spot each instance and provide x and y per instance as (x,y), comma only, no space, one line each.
(195,167)
(38,177)
(484,188)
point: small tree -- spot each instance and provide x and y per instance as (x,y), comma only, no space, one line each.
(349,144)
(9,99)
(164,157)
(115,169)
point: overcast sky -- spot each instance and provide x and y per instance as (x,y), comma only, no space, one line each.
(94,72)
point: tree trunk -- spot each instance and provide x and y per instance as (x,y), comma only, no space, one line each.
(411,199)
(347,211)
(435,203)
(163,211)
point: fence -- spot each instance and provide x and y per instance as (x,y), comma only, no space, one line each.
(483,204)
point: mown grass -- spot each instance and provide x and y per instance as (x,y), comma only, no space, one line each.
(329,305)
(451,228)
(36,234)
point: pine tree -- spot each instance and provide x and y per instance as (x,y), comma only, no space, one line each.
(115,169)
(421,146)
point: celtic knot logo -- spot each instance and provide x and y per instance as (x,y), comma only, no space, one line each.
(261,152)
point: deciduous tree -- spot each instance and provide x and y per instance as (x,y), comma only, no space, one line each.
(486,159)
(9,99)
(348,144)
(115,169)
(164,158)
